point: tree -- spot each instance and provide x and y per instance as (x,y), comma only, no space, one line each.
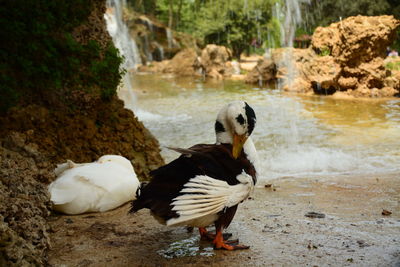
(144,6)
(234,23)
(325,12)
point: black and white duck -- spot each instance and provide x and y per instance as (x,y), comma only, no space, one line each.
(207,182)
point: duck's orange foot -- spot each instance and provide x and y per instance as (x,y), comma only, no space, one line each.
(219,243)
(226,246)
(207,236)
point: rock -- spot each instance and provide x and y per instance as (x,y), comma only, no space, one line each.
(263,72)
(215,63)
(356,39)
(155,41)
(362,244)
(24,237)
(313,214)
(358,45)
(84,136)
(345,58)
(185,63)
(348,83)
(386,212)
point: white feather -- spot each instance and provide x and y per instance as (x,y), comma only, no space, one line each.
(203,197)
(92,187)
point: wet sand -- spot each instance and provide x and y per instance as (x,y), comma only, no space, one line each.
(353,232)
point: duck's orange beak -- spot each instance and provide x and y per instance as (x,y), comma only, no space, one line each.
(238,142)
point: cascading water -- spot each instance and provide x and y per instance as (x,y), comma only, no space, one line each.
(289,17)
(126,46)
(169,37)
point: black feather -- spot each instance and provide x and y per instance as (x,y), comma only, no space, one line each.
(219,128)
(251,118)
(215,161)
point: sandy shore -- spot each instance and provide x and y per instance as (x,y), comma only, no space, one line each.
(353,232)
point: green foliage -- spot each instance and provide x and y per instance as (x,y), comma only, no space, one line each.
(40,57)
(325,51)
(325,12)
(394,65)
(184,14)
(273,33)
(144,6)
(232,23)
(235,23)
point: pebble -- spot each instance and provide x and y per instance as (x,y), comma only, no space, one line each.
(313,214)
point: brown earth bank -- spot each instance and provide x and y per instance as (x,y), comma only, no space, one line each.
(33,140)
(348,229)
(47,129)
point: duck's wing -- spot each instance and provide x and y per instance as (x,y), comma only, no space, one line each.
(93,187)
(201,149)
(66,190)
(210,166)
(204,195)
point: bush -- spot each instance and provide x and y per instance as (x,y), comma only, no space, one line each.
(39,56)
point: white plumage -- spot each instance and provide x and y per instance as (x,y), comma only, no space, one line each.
(92,187)
(204,196)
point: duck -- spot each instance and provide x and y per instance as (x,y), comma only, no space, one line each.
(97,186)
(207,182)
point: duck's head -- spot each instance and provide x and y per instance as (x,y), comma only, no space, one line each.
(235,123)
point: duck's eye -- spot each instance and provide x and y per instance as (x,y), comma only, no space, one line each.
(240,119)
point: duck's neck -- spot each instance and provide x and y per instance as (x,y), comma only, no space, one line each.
(248,147)
(251,152)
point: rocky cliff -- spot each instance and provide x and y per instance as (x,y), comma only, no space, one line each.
(80,124)
(346,58)
(358,45)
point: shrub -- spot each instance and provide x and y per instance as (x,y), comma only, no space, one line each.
(39,57)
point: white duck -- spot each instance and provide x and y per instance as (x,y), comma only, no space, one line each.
(92,187)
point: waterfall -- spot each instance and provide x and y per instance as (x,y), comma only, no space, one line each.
(126,46)
(289,17)
(169,37)
(149,55)
(160,52)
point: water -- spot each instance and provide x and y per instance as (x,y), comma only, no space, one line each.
(187,248)
(169,38)
(289,17)
(295,135)
(126,46)
(120,34)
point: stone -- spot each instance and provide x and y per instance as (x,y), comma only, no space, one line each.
(214,61)
(264,71)
(358,44)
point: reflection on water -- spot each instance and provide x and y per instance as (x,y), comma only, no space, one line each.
(295,135)
(186,247)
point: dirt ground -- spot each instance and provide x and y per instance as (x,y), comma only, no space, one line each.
(353,231)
